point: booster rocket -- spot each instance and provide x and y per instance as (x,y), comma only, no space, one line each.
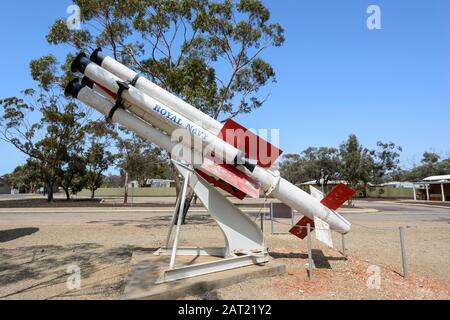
(227,155)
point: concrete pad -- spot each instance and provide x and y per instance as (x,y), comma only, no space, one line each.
(145,270)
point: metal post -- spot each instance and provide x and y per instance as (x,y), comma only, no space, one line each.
(443,192)
(262,220)
(172,223)
(343,246)
(415,192)
(323,181)
(428,192)
(132,195)
(310,259)
(403,249)
(271,218)
(180,219)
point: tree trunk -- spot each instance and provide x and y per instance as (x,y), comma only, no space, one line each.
(176,178)
(50,197)
(179,186)
(189,197)
(125,198)
(92,193)
(67,191)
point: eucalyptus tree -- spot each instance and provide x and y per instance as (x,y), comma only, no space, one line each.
(98,158)
(139,160)
(209,53)
(42,124)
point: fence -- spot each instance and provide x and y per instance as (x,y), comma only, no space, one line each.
(282,224)
(390,193)
(137,192)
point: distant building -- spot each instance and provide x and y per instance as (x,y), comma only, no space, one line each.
(395,185)
(330,185)
(435,188)
(5,188)
(391,190)
(134,185)
(160,183)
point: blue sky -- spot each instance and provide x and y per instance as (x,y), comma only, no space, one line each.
(335,77)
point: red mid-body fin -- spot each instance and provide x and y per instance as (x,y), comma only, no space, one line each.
(229,178)
(254,147)
(222,185)
(338,196)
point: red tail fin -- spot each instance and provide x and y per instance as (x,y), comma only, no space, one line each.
(338,196)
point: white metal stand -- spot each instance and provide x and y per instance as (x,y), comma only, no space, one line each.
(244,241)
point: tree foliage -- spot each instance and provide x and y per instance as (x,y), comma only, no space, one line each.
(140,160)
(26,178)
(353,163)
(97,156)
(56,141)
(312,164)
(57,133)
(207,52)
(431,166)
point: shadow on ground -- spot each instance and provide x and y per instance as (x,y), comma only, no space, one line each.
(159,222)
(28,269)
(14,234)
(321,261)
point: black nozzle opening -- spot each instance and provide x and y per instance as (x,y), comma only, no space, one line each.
(247,163)
(80,63)
(98,56)
(88,82)
(74,88)
(250,164)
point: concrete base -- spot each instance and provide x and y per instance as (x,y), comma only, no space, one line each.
(145,269)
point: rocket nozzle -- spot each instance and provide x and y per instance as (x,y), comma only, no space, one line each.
(87,82)
(80,63)
(74,88)
(98,56)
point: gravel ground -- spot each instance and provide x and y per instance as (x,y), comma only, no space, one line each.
(36,250)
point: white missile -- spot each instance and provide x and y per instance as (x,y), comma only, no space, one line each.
(134,110)
(159,115)
(79,90)
(83,91)
(144,111)
(158,93)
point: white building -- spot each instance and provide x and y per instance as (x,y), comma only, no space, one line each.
(159,183)
(437,188)
(398,185)
(5,188)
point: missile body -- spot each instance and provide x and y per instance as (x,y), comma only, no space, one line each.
(158,93)
(299,200)
(126,119)
(159,115)
(132,109)
(144,111)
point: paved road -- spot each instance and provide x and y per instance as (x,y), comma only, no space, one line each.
(392,211)
(388,212)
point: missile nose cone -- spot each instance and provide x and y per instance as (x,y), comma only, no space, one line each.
(80,63)
(74,88)
(98,56)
